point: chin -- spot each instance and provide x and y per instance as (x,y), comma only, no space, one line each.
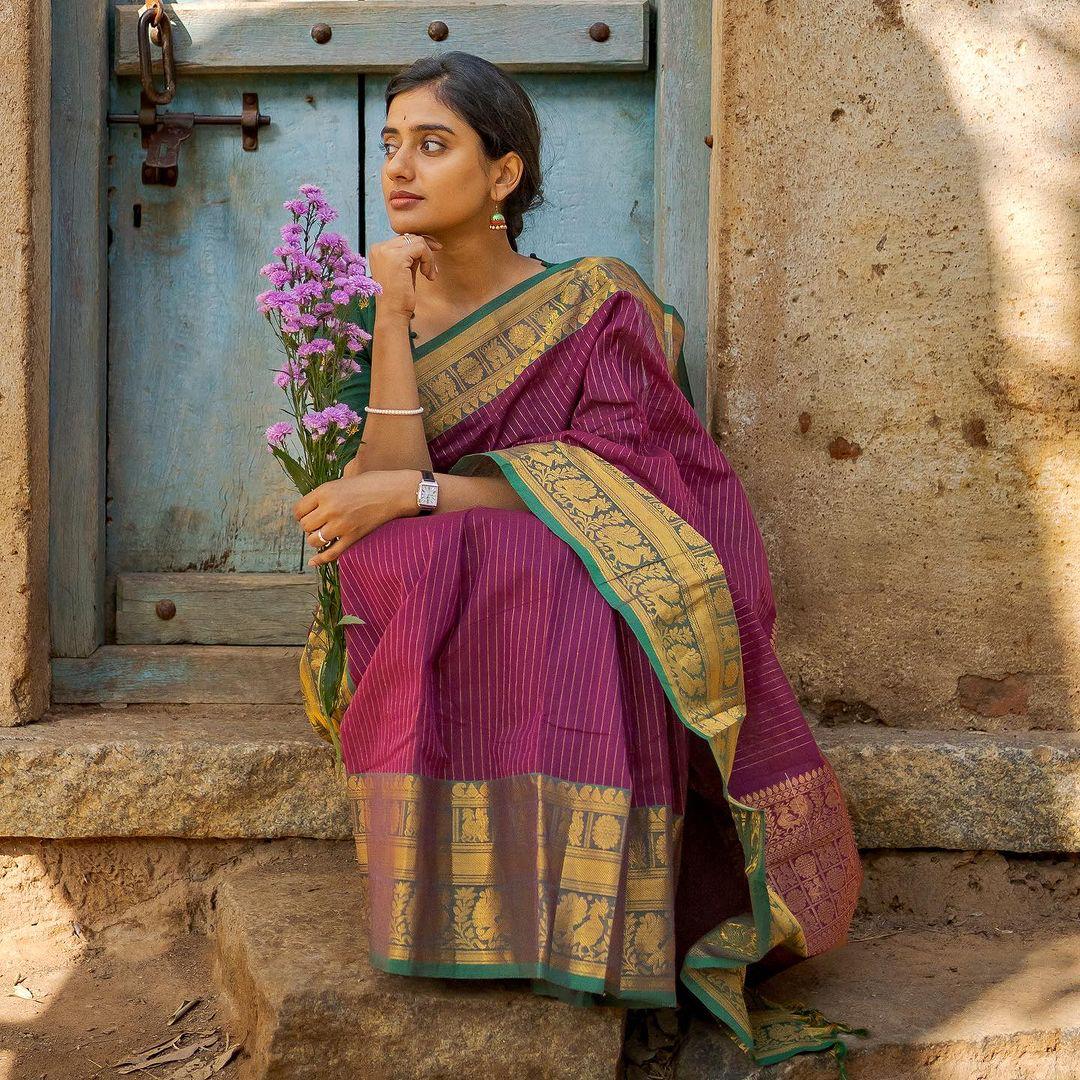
(409,221)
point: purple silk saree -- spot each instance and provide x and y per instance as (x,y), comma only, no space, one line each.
(572,754)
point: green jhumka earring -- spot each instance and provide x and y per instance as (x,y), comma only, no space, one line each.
(497,220)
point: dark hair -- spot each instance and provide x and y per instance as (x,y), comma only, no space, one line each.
(499,110)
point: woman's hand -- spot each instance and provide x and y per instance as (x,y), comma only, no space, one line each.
(352,507)
(393,264)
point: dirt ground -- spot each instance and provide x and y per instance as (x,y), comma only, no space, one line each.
(86,1010)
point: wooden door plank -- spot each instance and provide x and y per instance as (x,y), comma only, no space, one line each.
(180,674)
(192,485)
(683,159)
(80,79)
(215,609)
(380,35)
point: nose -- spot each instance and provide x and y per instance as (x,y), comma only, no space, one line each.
(400,165)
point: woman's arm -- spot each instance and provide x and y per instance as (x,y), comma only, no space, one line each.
(392,441)
(352,506)
(459,493)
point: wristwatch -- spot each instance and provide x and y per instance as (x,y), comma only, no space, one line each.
(427,492)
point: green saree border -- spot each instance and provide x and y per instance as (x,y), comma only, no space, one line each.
(714,968)
(584,990)
(474,317)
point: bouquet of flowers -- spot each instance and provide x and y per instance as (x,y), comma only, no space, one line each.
(314,282)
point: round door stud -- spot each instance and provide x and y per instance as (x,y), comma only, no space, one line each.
(599,31)
(321,33)
(165,609)
(438,31)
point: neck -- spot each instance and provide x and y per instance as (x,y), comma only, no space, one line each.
(472,267)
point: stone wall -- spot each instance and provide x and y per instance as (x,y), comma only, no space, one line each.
(24,371)
(897,378)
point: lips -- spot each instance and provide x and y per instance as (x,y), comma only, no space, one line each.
(404,197)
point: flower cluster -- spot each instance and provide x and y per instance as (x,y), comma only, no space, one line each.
(316,277)
(316,284)
(334,419)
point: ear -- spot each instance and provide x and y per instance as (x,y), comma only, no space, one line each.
(506,175)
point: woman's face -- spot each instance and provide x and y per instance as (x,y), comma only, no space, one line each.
(433,153)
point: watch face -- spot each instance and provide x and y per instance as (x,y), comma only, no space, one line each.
(427,493)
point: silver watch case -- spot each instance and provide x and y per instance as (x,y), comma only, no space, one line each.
(427,494)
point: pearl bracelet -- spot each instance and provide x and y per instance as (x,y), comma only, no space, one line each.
(405,412)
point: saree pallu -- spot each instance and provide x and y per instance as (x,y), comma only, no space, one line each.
(571,752)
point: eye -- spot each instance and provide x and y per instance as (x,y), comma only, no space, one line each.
(387,147)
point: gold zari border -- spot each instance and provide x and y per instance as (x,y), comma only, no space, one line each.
(519,870)
(457,378)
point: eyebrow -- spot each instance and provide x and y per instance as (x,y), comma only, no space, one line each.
(417,127)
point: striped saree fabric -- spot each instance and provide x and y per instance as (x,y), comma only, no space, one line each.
(572,754)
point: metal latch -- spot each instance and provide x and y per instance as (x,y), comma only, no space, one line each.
(162,133)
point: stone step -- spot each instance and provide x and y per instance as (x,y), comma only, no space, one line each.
(259,771)
(291,958)
(290,944)
(941,1004)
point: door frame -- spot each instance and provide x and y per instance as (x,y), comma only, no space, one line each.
(682,35)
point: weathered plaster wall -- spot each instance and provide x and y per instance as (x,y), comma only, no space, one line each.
(24,371)
(898,306)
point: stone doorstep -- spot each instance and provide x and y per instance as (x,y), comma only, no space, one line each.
(940,1004)
(291,956)
(230,771)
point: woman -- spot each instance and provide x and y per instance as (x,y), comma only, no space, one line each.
(572,752)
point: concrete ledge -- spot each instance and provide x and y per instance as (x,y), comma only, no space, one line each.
(959,789)
(292,956)
(223,771)
(239,771)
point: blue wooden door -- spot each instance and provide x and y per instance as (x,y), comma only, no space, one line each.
(205,567)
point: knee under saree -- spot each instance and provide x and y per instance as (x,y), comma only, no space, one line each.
(571,752)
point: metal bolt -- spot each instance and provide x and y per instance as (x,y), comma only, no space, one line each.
(438,31)
(321,32)
(708,141)
(165,609)
(599,31)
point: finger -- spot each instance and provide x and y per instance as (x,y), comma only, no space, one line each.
(305,505)
(315,519)
(331,553)
(427,261)
(421,254)
(432,242)
(313,536)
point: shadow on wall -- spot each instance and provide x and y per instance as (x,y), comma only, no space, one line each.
(898,355)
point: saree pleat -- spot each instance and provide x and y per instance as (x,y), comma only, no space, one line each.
(572,753)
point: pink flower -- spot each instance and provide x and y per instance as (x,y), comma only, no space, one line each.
(276,434)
